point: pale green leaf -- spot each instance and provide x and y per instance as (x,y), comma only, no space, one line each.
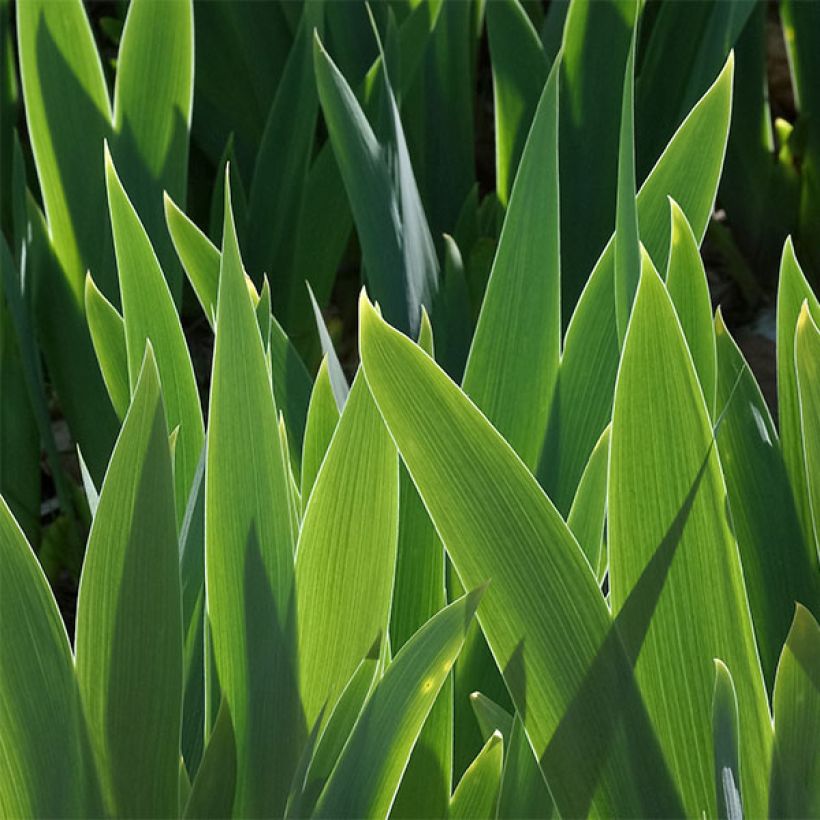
(667,525)
(153,99)
(544,617)
(793,290)
(367,774)
(795,778)
(687,171)
(201,260)
(587,515)
(149,314)
(491,717)
(513,362)
(346,553)
(108,336)
(689,291)
(476,795)
(807,361)
(249,550)
(322,418)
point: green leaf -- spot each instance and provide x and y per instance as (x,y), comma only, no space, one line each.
(338,380)
(689,291)
(322,418)
(240,54)
(688,171)
(149,314)
(562,659)
(68,115)
(476,795)
(108,336)
(335,731)
(684,49)
(807,361)
(199,257)
(726,745)
(524,792)
(440,113)
(667,500)
(346,553)
(153,98)
(593,58)
(212,792)
(129,630)
(397,249)
(587,515)
(513,362)
(795,778)
(201,260)
(46,764)
(800,22)
(491,717)
(367,774)
(627,245)
(793,290)
(281,167)
(519,71)
(419,592)
(249,550)
(761,504)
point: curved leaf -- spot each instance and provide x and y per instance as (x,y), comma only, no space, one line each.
(544,618)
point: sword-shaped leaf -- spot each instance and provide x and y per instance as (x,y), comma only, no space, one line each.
(153,100)
(129,629)
(793,289)
(807,361)
(727,745)
(687,171)
(346,554)
(761,504)
(149,314)
(46,764)
(689,291)
(367,775)
(249,550)
(476,795)
(322,418)
(795,777)
(544,617)
(667,508)
(513,361)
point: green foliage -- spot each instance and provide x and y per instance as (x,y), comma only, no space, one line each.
(562,562)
